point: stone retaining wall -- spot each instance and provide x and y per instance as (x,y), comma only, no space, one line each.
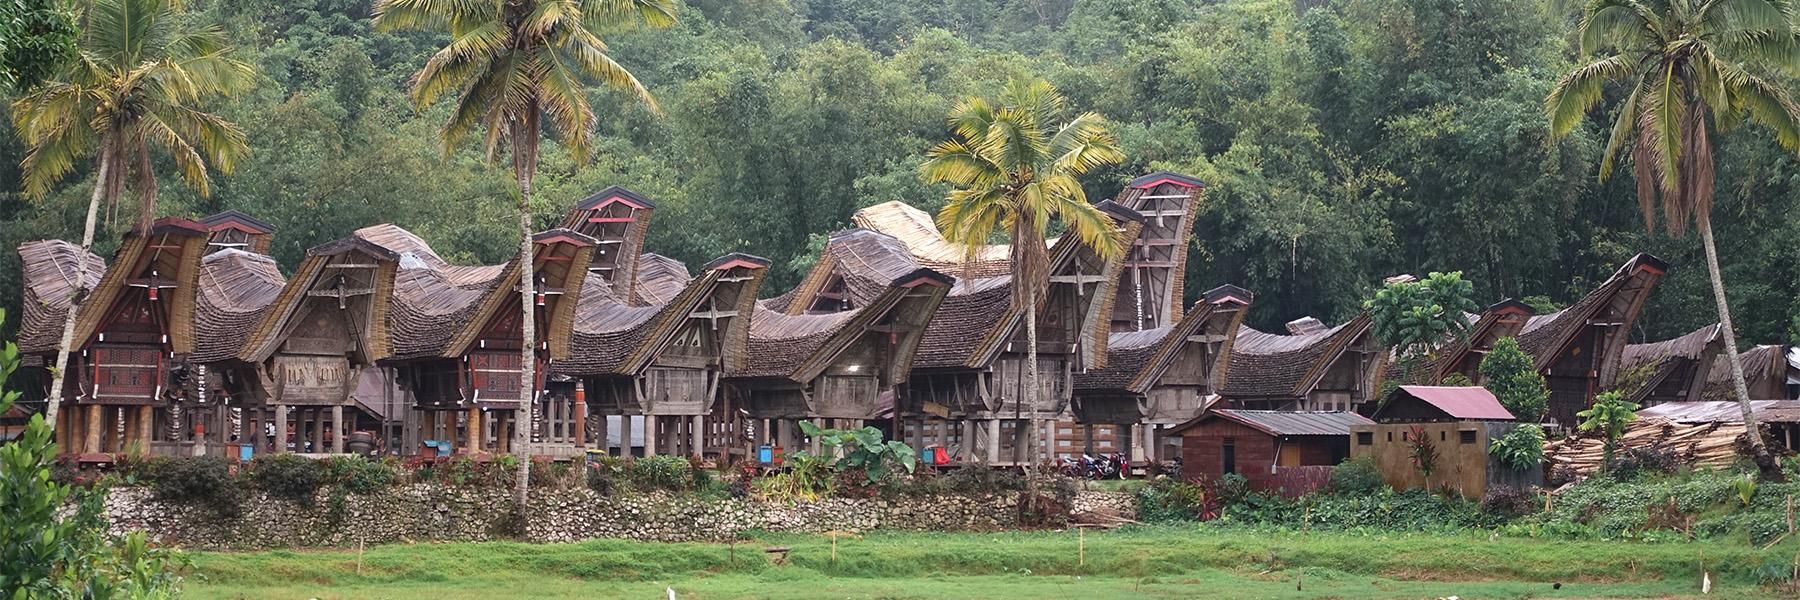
(424,512)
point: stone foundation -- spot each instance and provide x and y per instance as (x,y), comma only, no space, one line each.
(425,512)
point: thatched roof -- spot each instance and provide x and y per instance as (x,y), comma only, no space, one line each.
(1618,299)
(432,298)
(51,267)
(1270,365)
(1761,363)
(659,279)
(170,251)
(973,324)
(1137,359)
(236,290)
(915,229)
(316,273)
(799,346)
(613,337)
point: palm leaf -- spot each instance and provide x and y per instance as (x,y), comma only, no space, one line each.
(1580,90)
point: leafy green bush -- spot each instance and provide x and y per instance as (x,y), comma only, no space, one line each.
(1513,378)
(1522,448)
(286,476)
(1231,487)
(203,480)
(1356,476)
(1165,500)
(1383,510)
(671,473)
(864,450)
(358,475)
(1705,503)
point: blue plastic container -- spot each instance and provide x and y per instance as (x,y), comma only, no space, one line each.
(245,451)
(765,454)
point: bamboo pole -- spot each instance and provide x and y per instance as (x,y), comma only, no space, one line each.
(1081,546)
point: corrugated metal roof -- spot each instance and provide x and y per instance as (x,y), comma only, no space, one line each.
(1282,422)
(1474,403)
(1724,411)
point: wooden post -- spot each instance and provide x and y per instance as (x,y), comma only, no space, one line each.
(94,420)
(650,435)
(1081,546)
(281,428)
(473,429)
(993,441)
(580,424)
(146,421)
(337,429)
(318,417)
(699,435)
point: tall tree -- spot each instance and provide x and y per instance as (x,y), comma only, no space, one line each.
(1691,68)
(36,38)
(1014,165)
(512,63)
(139,73)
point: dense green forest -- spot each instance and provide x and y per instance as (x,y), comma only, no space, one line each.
(1342,141)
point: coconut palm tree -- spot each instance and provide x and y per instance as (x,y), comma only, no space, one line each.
(511,64)
(1014,164)
(138,74)
(1691,68)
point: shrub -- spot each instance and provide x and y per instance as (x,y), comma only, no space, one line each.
(195,480)
(1515,382)
(1644,460)
(1231,487)
(1166,500)
(286,476)
(1510,502)
(672,473)
(982,480)
(1356,476)
(358,475)
(1522,448)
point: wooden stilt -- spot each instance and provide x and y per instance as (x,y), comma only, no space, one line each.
(993,442)
(281,428)
(337,429)
(318,428)
(650,432)
(146,421)
(700,435)
(472,426)
(580,424)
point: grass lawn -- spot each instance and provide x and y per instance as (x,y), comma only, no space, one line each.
(1159,562)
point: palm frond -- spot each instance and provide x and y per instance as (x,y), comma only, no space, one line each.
(1771,106)
(1728,16)
(1623,125)
(1616,23)
(590,55)
(565,101)
(1086,222)
(628,13)
(1580,90)
(187,158)
(220,141)
(1084,144)
(397,15)
(956,162)
(970,120)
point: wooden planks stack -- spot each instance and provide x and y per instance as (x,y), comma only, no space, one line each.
(1710,445)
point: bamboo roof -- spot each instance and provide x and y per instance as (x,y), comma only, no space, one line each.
(51,268)
(1270,365)
(915,229)
(236,290)
(1137,359)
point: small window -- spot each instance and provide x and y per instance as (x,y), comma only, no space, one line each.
(1443,436)
(1390,437)
(1467,436)
(1229,457)
(1365,438)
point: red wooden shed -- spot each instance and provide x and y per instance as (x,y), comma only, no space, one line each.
(1287,452)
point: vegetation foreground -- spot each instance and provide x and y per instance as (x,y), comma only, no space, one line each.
(1151,561)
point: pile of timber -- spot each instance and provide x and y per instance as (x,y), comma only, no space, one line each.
(1710,445)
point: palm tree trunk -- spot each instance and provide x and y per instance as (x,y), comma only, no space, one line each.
(79,295)
(1731,353)
(1032,398)
(524,164)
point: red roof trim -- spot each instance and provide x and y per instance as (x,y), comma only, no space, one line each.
(1167,180)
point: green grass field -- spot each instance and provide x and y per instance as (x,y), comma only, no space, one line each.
(1160,562)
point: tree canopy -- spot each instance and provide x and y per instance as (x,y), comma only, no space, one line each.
(1340,142)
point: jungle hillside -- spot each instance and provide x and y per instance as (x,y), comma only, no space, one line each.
(1341,141)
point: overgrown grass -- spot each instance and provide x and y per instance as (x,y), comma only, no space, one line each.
(1163,561)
